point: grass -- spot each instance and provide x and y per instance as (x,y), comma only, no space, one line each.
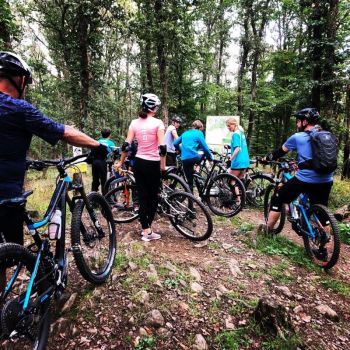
(278,273)
(146,343)
(120,261)
(344,230)
(336,286)
(282,246)
(244,337)
(340,194)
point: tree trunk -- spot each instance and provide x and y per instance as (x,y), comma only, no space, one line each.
(316,52)
(257,36)
(328,74)
(5,17)
(346,159)
(84,67)
(162,63)
(245,49)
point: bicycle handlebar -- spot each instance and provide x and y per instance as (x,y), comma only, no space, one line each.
(42,164)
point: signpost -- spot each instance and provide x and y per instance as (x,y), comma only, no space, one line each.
(216,133)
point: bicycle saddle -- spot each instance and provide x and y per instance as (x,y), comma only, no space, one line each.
(16,201)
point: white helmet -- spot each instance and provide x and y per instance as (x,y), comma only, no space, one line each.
(149,102)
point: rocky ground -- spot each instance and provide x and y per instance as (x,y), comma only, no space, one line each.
(238,290)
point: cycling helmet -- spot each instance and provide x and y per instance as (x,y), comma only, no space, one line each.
(176,118)
(149,102)
(11,65)
(309,114)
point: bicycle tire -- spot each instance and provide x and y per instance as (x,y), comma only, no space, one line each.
(312,246)
(176,183)
(225,195)
(123,209)
(267,199)
(255,189)
(86,239)
(185,211)
(11,255)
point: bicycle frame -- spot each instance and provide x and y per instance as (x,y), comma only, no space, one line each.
(301,203)
(59,199)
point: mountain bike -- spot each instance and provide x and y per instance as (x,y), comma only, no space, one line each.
(255,181)
(123,197)
(314,223)
(186,213)
(222,192)
(36,274)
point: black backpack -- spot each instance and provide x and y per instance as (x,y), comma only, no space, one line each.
(324,151)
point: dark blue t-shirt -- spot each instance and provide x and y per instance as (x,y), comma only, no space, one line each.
(19,120)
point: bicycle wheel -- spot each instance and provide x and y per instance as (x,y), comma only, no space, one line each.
(173,182)
(324,248)
(225,195)
(123,201)
(267,203)
(93,238)
(189,216)
(29,330)
(255,189)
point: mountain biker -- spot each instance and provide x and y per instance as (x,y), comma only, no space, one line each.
(19,120)
(306,180)
(149,161)
(99,166)
(239,150)
(169,138)
(191,140)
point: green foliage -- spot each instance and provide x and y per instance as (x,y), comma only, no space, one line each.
(146,343)
(344,230)
(335,286)
(282,246)
(340,194)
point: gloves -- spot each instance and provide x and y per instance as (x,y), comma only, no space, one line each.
(99,152)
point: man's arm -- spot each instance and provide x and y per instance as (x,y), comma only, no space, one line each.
(77,138)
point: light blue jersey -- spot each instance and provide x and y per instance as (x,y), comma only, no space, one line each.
(301,143)
(191,141)
(241,160)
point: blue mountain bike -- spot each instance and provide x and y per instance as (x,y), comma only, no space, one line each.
(32,276)
(314,223)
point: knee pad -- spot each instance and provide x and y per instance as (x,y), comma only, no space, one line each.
(162,150)
(276,204)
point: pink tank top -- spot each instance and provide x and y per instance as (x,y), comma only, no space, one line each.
(146,134)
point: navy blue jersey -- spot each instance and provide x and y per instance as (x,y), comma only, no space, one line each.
(19,120)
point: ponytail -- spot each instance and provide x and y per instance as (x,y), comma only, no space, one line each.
(143,114)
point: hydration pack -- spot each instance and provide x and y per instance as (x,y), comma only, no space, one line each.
(324,151)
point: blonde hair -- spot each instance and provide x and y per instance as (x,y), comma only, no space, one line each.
(197,124)
(232,120)
(235,121)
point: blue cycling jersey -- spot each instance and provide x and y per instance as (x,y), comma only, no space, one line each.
(301,143)
(19,121)
(191,141)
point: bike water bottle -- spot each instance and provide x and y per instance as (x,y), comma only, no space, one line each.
(55,225)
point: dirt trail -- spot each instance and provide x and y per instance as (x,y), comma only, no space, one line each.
(213,301)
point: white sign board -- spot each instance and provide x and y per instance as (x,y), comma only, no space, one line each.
(216,133)
(77,151)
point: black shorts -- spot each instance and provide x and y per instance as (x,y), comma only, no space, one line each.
(171,159)
(11,224)
(317,193)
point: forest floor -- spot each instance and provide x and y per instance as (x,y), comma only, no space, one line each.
(177,294)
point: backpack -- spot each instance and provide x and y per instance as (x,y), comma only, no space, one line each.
(324,151)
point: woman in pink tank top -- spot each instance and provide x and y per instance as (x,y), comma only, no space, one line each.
(149,161)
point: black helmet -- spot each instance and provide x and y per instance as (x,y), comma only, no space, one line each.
(149,102)
(176,118)
(12,65)
(309,114)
